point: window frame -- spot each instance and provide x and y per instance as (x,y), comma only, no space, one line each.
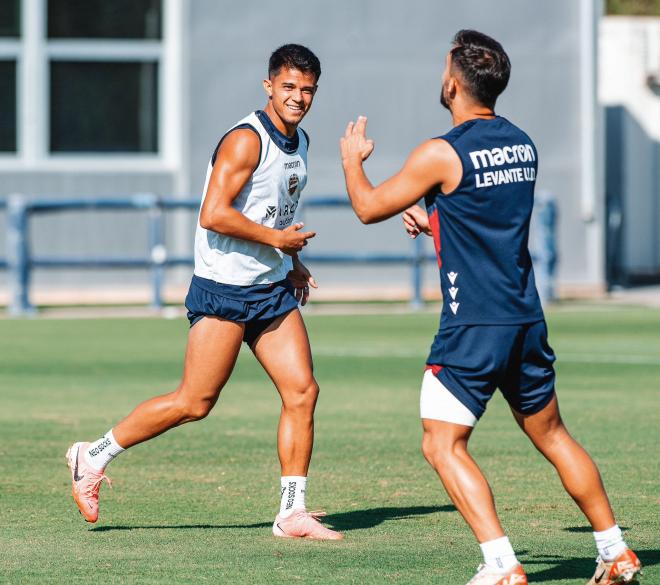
(34,51)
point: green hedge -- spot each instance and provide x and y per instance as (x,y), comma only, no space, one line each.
(634,7)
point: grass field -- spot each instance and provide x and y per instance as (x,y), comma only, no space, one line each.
(196,505)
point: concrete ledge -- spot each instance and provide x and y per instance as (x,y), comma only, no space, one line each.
(175,295)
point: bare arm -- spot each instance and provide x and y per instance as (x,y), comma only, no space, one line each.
(237,159)
(428,167)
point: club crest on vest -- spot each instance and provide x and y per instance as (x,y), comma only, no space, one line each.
(293,183)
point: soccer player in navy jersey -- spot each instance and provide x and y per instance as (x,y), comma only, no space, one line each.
(477,182)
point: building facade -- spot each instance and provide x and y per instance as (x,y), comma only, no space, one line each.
(629,91)
(130,96)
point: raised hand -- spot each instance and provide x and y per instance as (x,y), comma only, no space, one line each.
(416,221)
(292,240)
(355,144)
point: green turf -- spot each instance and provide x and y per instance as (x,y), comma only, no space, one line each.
(196,504)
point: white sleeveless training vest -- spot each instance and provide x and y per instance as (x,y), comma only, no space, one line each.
(269,198)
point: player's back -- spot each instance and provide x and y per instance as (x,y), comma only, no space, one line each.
(481,229)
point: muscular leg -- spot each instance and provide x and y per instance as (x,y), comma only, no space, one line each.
(445,447)
(577,471)
(283,350)
(213,346)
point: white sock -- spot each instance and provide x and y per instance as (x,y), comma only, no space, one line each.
(498,554)
(293,494)
(101,452)
(610,543)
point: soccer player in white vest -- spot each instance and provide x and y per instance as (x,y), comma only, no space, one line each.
(246,286)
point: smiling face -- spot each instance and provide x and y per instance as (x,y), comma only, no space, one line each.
(290,93)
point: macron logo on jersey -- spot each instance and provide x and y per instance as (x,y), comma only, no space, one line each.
(271,211)
(495,157)
(453,291)
(499,156)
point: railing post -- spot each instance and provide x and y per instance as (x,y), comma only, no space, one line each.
(543,244)
(158,253)
(18,256)
(417,300)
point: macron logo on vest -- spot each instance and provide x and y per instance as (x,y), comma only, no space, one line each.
(495,157)
(499,156)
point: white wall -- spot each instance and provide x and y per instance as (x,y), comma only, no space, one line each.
(629,70)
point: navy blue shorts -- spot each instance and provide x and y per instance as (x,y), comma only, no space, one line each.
(472,361)
(257,305)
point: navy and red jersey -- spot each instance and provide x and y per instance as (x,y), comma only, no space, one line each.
(481,229)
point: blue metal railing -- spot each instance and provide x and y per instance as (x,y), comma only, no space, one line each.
(20,261)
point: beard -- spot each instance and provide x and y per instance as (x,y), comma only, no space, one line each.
(443,97)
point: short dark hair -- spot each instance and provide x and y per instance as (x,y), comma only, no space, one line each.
(294,57)
(483,63)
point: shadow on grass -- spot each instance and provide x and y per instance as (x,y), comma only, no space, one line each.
(360,519)
(585,528)
(180,527)
(564,568)
(354,520)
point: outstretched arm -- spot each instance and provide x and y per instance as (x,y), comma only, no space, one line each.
(237,159)
(426,168)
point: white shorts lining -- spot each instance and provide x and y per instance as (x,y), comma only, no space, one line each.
(438,403)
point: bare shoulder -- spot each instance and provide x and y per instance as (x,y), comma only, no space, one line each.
(241,147)
(436,150)
(435,155)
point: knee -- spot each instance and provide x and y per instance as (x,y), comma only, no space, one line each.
(302,396)
(437,450)
(427,448)
(193,409)
(549,437)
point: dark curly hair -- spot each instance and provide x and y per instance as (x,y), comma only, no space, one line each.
(483,64)
(294,57)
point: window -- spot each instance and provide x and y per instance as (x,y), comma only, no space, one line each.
(103,68)
(7,106)
(10,31)
(104,19)
(10,21)
(103,106)
(91,82)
